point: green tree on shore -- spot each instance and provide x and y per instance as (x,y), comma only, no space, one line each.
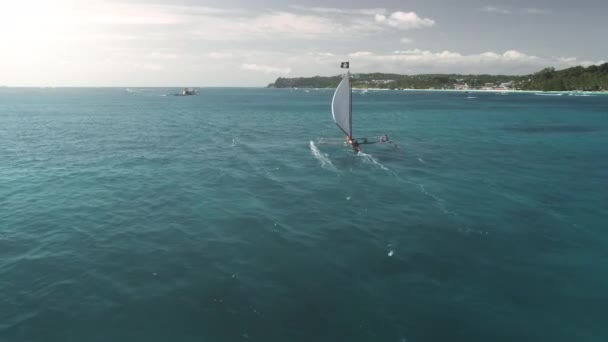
(591,78)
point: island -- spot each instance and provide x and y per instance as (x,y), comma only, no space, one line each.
(591,78)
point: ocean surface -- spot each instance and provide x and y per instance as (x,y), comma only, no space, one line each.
(239,215)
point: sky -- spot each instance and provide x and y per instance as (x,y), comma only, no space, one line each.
(252,42)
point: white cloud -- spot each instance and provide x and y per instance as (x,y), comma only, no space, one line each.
(282,25)
(118,19)
(148,66)
(322,54)
(566,59)
(267,26)
(424,61)
(588,63)
(115,13)
(411,52)
(266,68)
(528,10)
(406,40)
(107,20)
(330,10)
(360,53)
(404,20)
(220,55)
(493,9)
(162,55)
(285,22)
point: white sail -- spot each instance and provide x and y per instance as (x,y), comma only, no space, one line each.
(341,106)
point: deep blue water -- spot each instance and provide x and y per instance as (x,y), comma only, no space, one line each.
(130,216)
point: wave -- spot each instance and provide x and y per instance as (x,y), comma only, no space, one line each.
(321,157)
(548,94)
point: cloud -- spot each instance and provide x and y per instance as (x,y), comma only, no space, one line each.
(148,66)
(266,68)
(285,22)
(133,21)
(163,55)
(528,10)
(330,10)
(220,55)
(322,54)
(115,13)
(360,53)
(114,19)
(533,10)
(566,59)
(406,40)
(493,9)
(281,25)
(270,26)
(424,61)
(404,20)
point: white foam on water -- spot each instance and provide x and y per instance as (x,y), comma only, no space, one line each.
(421,160)
(321,157)
(391,253)
(368,158)
(440,201)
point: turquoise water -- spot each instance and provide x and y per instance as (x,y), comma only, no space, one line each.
(233,216)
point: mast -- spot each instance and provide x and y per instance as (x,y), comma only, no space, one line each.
(350,103)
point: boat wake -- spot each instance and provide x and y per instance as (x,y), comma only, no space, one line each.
(368,158)
(438,200)
(321,157)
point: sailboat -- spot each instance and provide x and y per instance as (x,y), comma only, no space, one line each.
(342,111)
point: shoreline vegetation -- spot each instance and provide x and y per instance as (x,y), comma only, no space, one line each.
(593,78)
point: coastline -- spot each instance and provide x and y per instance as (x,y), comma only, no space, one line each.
(510,91)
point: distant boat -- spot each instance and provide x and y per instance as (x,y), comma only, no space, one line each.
(188,91)
(185,92)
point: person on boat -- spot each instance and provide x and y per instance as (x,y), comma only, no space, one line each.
(354,143)
(385,138)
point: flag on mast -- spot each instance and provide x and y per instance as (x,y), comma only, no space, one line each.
(344,65)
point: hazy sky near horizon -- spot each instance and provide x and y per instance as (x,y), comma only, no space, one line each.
(252,42)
